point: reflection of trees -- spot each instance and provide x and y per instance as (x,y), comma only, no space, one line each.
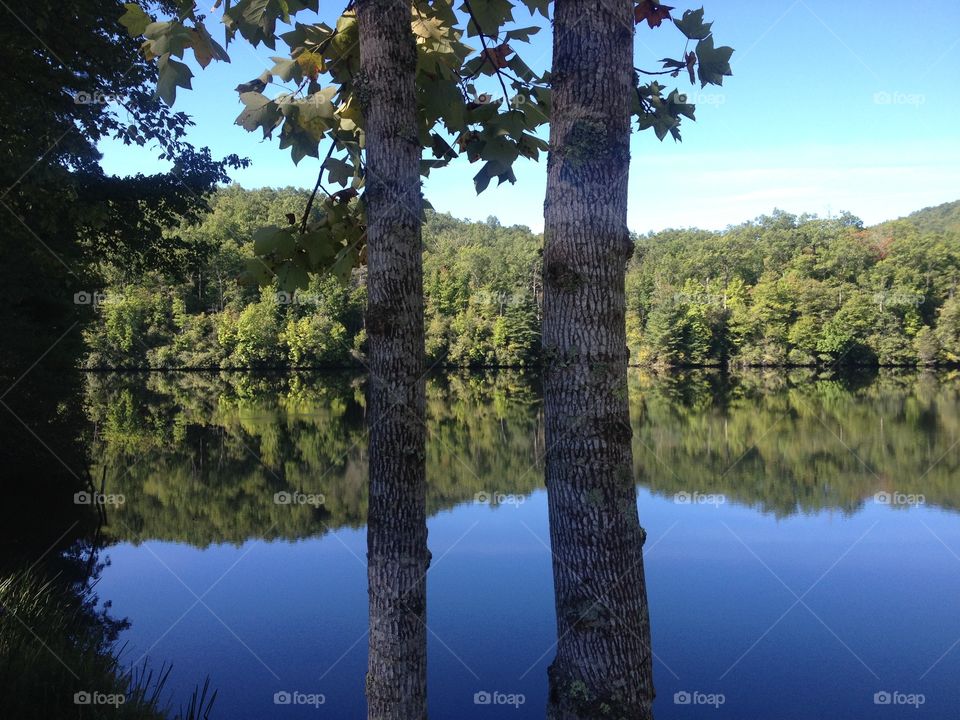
(186,450)
(603,665)
(801,444)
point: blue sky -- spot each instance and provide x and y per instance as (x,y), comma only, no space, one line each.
(832,106)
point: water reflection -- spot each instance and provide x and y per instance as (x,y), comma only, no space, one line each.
(200,459)
(603,663)
(397,555)
(201,462)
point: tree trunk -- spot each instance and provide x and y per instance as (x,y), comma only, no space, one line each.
(603,666)
(396,529)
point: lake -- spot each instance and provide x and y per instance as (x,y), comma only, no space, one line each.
(802,554)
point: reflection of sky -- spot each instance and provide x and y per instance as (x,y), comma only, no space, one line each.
(878,609)
(833,106)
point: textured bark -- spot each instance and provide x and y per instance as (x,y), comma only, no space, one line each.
(396,528)
(603,666)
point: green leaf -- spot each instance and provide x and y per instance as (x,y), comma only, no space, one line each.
(255,272)
(259,112)
(677,105)
(168,38)
(321,247)
(315,113)
(520,69)
(490,15)
(300,141)
(692,25)
(339,171)
(346,260)
(272,240)
(256,20)
(541,6)
(135,20)
(713,63)
(522,34)
(172,74)
(287,69)
(490,170)
(291,276)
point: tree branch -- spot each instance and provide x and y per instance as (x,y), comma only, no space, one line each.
(318,186)
(486,50)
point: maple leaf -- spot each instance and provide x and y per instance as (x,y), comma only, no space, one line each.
(653,12)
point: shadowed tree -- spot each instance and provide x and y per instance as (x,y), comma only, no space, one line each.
(397,555)
(603,663)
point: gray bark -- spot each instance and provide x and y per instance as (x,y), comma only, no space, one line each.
(603,666)
(396,528)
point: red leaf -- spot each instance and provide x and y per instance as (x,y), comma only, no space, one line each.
(653,12)
(497,56)
(691,63)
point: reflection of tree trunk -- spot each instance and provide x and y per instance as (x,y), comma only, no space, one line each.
(603,664)
(396,531)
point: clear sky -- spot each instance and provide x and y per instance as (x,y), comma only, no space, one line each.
(833,106)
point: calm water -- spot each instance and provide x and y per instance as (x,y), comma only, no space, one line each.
(779,582)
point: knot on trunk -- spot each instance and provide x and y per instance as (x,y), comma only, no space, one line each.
(381,320)
(561,276)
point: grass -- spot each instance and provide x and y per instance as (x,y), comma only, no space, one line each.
(58,650)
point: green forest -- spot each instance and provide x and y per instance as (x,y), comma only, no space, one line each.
(781,290)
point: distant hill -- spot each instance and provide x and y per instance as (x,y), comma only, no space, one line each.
(938,219)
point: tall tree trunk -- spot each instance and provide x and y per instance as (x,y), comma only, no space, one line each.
(603,666)
(396,528)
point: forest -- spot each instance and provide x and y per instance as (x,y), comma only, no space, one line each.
(780,290)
